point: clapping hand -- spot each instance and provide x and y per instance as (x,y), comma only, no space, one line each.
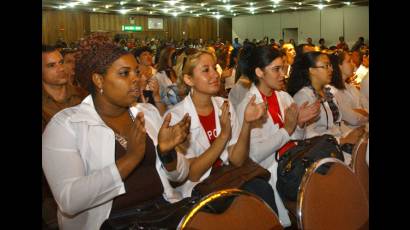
(308,113)
(171,136)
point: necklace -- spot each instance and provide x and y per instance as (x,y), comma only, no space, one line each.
(121,139)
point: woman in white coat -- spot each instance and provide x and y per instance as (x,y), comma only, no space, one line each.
(309,81)
(216,138)
(284,121)
(351,102)
(103,155)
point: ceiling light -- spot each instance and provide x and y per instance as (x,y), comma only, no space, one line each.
(213,13)
(197,15)
(348,3)
(122,3)
(165,10)
(183,7)
(218,16)
(231,11)
(172,3)
(320,6)
(84,1)
(253,12)
(273,11)
(150,12)
(202,4)
(294,8)
(251,3)
(234,15)
(154,5)
(228,7)
(299,3)
(72,4)
(139,0)
(274,6)
(107,6)
(207,9)
(62,7)
(190,11)
(138,8)
(327,0)
(94,9)
(175,14)
(276,1)
(123,11)
(251,8)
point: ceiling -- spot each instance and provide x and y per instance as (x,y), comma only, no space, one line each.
(213,8)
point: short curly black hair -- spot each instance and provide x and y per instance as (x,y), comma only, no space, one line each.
(95,54)
(141,50)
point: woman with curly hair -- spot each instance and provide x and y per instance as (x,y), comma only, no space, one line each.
(110,154)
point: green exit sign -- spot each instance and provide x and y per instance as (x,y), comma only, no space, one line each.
(131,28)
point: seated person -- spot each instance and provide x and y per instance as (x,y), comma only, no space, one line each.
(284,121)
(103,156)
(215,136)
(309,82)
(348,97)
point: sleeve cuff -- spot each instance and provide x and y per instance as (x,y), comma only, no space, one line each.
(181,171)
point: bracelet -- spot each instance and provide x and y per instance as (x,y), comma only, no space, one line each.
(167,157)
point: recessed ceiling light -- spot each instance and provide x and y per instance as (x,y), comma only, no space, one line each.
(213,13)
(107,6)
(154,5)
(218,16)
(197,15)
(273,11)
(234,15)
(253,12)
(94,9)
(62,7)
(299,3)
(174,14)
(150,12)
(202,4)
(72,4)
(228,7)
(165,10)
(276,1)
(183,7)
(138,8)
(123,11)
(231,11)
(274,6)
(172,3)
(348,3)
(251,8)
(207,9)
(320,6)
(190,11)
(122,3)
(84,1)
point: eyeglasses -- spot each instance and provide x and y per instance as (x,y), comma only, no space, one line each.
(327,66)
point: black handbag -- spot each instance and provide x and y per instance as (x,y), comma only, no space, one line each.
(152,217)
(295,161)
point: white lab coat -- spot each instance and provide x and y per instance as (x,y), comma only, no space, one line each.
(197,141)
(78,160)
(364,89)
(324,124)
(265,141)
(349,99)
(361,72)
(237,93)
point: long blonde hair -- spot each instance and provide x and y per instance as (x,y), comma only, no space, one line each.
(188,68)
